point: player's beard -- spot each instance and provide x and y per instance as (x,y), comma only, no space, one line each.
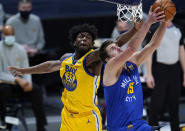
(82,51)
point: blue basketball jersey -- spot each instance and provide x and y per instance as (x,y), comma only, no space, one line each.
(124,101)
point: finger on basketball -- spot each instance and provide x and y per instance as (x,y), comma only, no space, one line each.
(161,17)
(161,20)
(156,9)
(167,6)
(160,13)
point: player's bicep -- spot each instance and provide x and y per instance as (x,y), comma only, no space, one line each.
(56,65)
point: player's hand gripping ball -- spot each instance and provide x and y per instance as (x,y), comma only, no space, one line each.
(167,6)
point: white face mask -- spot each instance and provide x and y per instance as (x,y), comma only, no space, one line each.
(9,40)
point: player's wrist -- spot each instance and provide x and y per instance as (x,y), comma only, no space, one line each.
(22,70)
(164,23)
(147,24)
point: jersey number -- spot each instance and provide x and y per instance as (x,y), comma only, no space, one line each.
(130,88)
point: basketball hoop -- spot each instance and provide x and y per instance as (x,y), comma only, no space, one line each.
(129,12)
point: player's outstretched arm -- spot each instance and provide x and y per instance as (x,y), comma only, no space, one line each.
(124,38)
(139,57)
(115,63)
(46,67)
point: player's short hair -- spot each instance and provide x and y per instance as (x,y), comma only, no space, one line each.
(102,50)
(74,31)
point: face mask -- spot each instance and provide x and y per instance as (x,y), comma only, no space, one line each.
(9,40)
(25,14)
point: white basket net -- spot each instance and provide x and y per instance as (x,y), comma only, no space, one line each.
(129,12)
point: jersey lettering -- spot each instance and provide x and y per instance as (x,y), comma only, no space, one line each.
(69,78)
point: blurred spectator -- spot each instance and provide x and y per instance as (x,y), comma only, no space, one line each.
(163,74)
(28,28)
(29,33)
(1,18)
(1,15)
(12,54)
(120,28)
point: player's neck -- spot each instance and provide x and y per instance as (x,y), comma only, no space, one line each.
(79,54)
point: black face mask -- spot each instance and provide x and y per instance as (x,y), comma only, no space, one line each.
(25,14)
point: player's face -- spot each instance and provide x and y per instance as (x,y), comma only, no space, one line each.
(113,50)
(84,41)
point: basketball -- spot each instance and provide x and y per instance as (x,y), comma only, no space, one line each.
(167,6)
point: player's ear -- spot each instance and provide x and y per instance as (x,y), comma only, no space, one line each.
(74,44)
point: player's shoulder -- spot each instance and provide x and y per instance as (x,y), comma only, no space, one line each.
(131,65)
(64,56)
